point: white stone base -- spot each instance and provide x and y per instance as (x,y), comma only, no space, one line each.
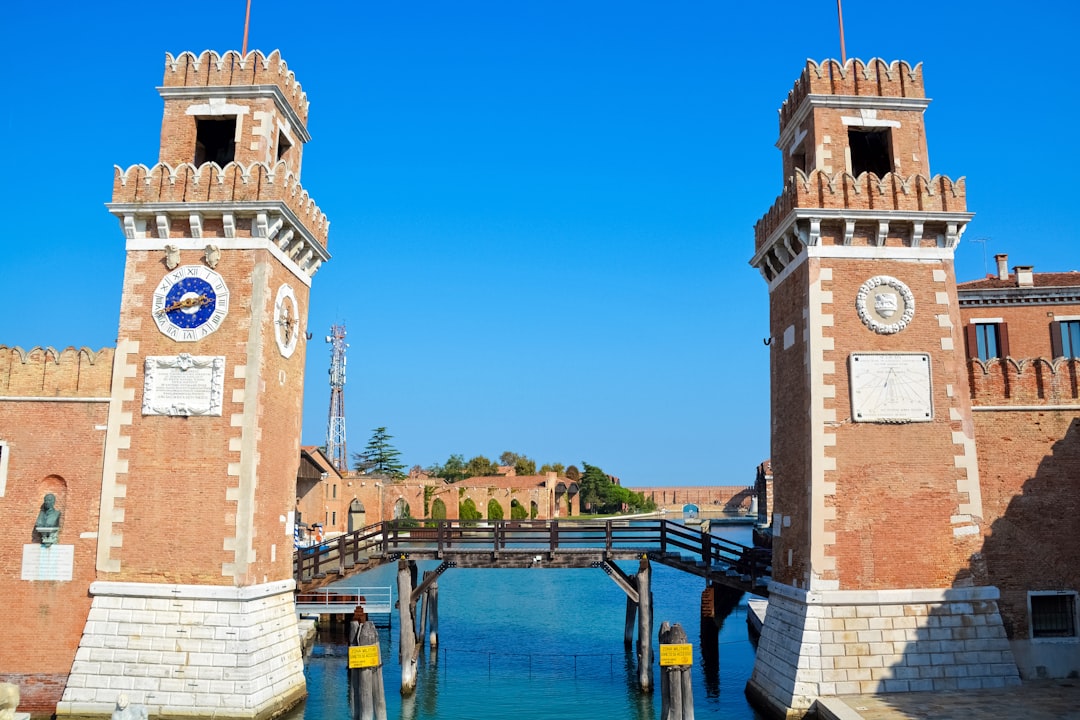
(188,651)
(841,642)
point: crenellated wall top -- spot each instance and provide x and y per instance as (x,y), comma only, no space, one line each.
(209,69)
(48,372)
(233,183)
(1027,382)
(843,191)
(873,78)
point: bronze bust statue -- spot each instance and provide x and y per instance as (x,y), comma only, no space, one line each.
(48,521)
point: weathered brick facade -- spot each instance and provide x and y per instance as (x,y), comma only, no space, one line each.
(177,495)
(878,516)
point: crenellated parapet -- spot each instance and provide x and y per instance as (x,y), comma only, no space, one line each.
(874,78)
(50,373)
(1025,382)
(236,201)
(867,192)
(840,209)
(231,69)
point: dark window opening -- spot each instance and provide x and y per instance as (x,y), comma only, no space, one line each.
(333,518)
(871,151)
(1065,338)
(987,340)
(799,160)
(283,147)
(1053,616)
(215,141)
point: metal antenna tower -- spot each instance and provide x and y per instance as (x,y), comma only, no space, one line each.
(335,425)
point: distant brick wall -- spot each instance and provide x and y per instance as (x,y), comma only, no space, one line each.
(706,497)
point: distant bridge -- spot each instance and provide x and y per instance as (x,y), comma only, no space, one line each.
(535,544)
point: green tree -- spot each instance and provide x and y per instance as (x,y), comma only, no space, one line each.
(495,511)
(522,465)
(468,510)
(451,471)
(480,466)
(517,510)
(557,468)
(573,474)
(380,457)
(438,509)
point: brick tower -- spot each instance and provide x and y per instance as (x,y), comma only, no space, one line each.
(193,610)
(877,517)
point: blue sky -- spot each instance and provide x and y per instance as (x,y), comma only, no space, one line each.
(541,212)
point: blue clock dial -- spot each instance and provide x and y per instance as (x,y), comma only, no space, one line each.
(190,302)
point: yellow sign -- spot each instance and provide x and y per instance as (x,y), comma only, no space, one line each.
(677,654)
(362,656)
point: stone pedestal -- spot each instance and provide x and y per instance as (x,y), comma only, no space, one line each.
(188,651)
(843,642)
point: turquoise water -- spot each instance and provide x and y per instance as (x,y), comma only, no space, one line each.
(539,644)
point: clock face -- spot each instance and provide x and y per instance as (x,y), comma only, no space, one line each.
(286,320)
(190,302)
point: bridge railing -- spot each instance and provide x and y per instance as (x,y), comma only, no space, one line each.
(665,537)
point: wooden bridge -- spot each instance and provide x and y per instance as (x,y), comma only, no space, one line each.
(536,544)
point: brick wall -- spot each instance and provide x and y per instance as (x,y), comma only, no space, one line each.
(53,447)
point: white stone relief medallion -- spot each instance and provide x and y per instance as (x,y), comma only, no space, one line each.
(286,320)
(183,385)
(885,305)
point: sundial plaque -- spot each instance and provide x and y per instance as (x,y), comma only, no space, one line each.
(890,387)
(183,385)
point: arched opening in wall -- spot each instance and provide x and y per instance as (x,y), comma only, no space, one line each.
(517,510)
(402,509)
(494,509)
(438,509)
(691,511)
(468,510)
(534,509)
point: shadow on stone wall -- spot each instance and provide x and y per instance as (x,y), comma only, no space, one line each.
(973,638)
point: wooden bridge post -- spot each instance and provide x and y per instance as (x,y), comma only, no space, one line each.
(631,617)
(676,690)
(554,536)
(407,649)
(421,629)
(366,683)
(433,615)
(645,618)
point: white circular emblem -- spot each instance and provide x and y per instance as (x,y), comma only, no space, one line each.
(885,304)
(286,320)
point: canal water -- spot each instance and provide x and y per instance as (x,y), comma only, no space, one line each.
(542,644)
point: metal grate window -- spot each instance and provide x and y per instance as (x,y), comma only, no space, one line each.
(1053,616)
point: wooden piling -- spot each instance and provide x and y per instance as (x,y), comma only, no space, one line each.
(676,690)
(645,619)
(407,615)
(433,615)
(631,617)
(366,683)
(421,631)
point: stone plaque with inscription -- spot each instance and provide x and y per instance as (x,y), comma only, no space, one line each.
(891,387)
(48,563)
(183,385)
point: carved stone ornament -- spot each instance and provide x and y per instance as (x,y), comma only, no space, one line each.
(212,255)
(885,305)
(172,256)
(184,385)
